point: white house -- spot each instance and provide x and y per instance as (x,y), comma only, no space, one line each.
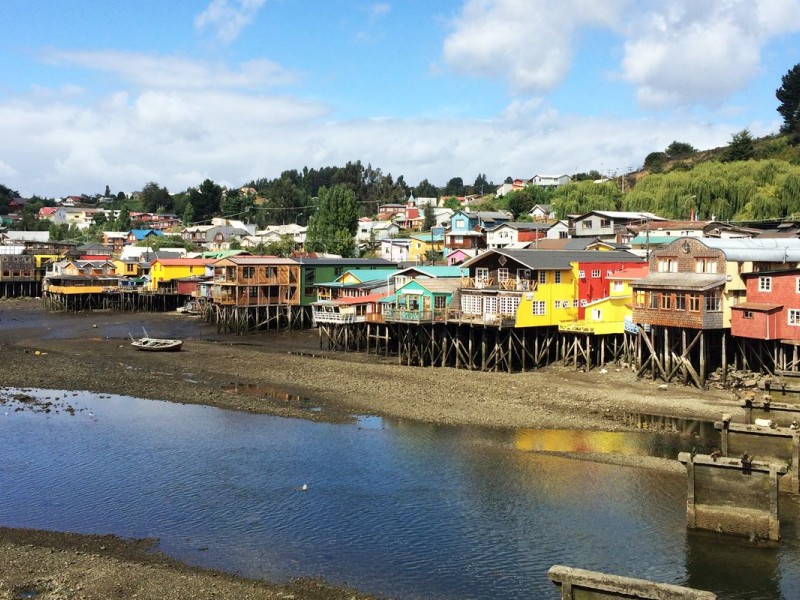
(550,180)
(395,249)
(559,230)
(542,212)
(606,224)
(375,230)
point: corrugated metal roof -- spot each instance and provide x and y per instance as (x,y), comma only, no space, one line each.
(681,281)
(755,249)
(757,306)
(558,259)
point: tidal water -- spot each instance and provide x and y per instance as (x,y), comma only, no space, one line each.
(392,507)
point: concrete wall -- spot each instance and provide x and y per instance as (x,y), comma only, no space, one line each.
(728,497)
(579,584)
(770,444)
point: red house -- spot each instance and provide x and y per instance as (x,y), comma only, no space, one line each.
(595,280)
(772,309)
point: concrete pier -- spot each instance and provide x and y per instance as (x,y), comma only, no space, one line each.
(733,496)
(768,444)
(579,584)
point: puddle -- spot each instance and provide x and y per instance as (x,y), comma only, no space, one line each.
(272,393)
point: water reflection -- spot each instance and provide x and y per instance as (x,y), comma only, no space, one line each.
(405,509)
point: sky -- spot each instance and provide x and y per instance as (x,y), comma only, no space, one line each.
(97,93)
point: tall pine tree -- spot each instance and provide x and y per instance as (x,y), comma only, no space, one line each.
(332,228)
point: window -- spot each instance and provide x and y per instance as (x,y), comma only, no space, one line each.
(574,304)
(439,302)
(538,307)
(581,274)
(508,305)
(481,275)
(694,302)
(595,273)
(502,274)
(705,265)
(655,299)
(747,314)
(584,302)
(587,224)
(666,302)
(542,276)
(617,286)
(680,301)
(764,284)
(605,222)
(794,316)
(667,265)
(523,273)
(556,303)
(471,304)
(597,314)
(713,302)
(639,298)
(562,235)
(565,304)
(460,223)
(557,277)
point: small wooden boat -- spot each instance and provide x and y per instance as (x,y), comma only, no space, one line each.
(151,344)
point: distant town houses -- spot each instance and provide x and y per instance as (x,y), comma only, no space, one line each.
(549,181)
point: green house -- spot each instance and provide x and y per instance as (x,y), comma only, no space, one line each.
(314,271)
(421,300)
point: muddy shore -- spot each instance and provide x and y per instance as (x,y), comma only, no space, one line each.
(284,374)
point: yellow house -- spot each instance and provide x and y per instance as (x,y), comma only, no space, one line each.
(165,270)
(422,244)
(608,315)
(539,288)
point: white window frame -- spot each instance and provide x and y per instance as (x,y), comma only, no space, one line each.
(557,277)
(595,273)
(538,307)
(764,283)
(793,315)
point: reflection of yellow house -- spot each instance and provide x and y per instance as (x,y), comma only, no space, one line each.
(164,270)
(422,244)
(570,440)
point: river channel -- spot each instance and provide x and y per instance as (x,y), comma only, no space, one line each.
(391,507)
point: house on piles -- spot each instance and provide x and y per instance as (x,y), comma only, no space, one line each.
(536,288)
(694,283)
(352,298)
(772,308)
(166,272)
(321,270)
(256,281)
(421,301)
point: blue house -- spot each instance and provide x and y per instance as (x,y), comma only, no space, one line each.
(468,229)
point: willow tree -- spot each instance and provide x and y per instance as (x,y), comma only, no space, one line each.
(584,196)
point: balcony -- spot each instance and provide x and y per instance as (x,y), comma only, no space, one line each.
(487,283)
(402,315)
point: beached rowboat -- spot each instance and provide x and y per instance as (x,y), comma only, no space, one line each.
(157,344)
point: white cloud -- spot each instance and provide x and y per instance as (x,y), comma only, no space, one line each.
(228,17)
(159,71)
(178,138)
(527,42)
(674,53)
(688,52)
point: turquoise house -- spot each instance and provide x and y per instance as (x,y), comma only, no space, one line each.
(421,300)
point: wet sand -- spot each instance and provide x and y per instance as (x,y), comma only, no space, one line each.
(284,374)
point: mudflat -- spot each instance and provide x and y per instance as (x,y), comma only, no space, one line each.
(283,374)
